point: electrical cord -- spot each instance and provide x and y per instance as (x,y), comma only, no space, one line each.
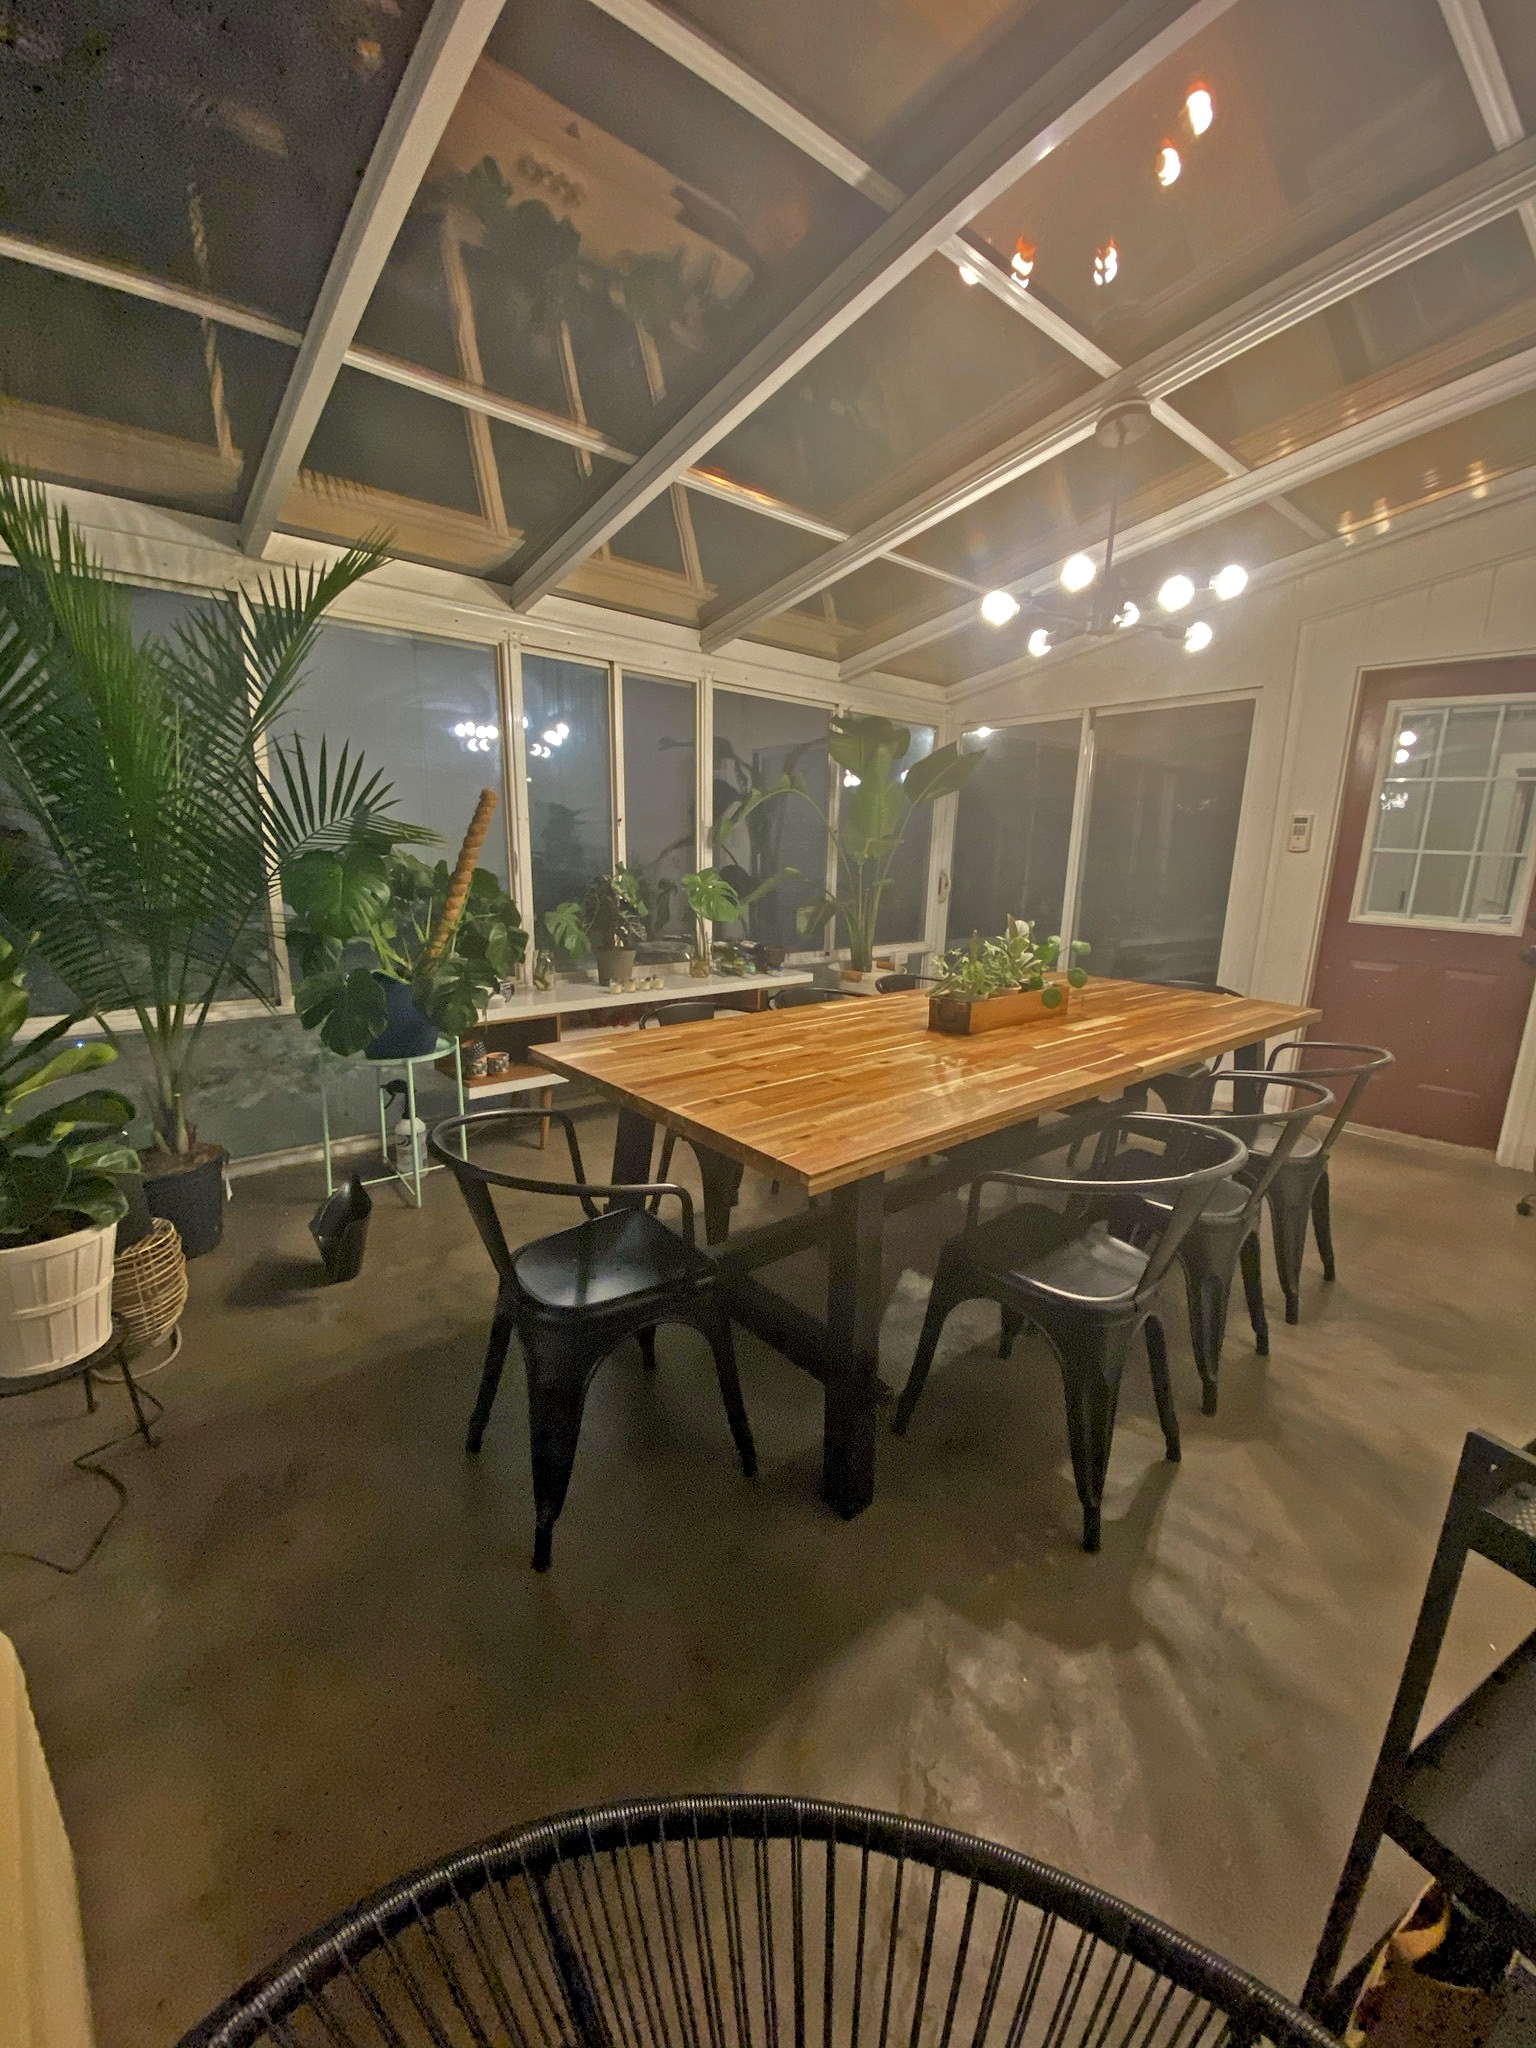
(86,1463)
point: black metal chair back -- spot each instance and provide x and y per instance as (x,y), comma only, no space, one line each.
(799,997)
(1281,1124)
(899,984)
(751,1920)
(1318,1059)
(681,1013)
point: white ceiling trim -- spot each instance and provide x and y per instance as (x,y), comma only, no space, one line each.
(1490,84)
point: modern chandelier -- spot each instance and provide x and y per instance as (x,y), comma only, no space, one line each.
(1106,606)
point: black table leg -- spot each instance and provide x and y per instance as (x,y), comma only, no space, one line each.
(722,1184)
(853,1342)
(633,1143)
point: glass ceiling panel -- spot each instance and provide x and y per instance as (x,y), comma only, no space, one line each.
(600,232)
(218,146)
(1458,461)
(1062,506)
(1509,22)
(1324,118)
(934,374)
(120,395)
(1464,306)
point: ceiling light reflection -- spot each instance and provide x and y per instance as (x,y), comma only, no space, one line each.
(1201,109)
(1169,164)
(969,274)
(1106,264)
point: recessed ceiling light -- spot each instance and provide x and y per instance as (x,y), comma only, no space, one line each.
(1231,581)
(1175,593)
(1078,571)
(1201,109)
(1169,164)
(1039,642)
(999,606)
(969,274)
(1198,637)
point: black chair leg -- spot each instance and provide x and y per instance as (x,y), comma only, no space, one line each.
(715,1321)
(1208,1289)
(490,1379)
(646,1339)
(1322,1225)
(1162,1389)
(1013,1325)
(1092,1358)
(1252,1262)
(560,1365)
(947,1292)
(1289,1202)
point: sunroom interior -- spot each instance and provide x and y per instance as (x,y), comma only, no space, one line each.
(1102,432)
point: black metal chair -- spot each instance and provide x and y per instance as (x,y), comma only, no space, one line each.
(800,997)
(748,1919)
(1084,1288)
(572,1297)
(1301,1188)
(1225,1233)
(1188,1090)
(899,984)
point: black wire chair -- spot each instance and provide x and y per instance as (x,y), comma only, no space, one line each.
(574,1297)
(748,1922)
(900,984)
(800,997)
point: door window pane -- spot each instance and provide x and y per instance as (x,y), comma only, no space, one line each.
(659,793)
(758,739)
(425,712)
(904,906)
(1453,844)
(1011,831)
(570,785)
(1167,792)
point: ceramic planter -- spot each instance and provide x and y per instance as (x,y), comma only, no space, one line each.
(55,1301)
(409,1034)
(964,1017)
(192,1196)
(614,963)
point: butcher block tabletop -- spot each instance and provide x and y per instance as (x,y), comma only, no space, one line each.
(835,1092)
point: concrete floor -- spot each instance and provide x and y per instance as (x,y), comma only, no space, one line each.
(311,1654)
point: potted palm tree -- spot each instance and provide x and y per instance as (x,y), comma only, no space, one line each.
(150,829)
(60,1202)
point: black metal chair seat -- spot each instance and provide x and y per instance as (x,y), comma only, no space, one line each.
(573,1297)
(627,1256)
(1043,1249)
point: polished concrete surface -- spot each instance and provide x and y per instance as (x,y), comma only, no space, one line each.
(311,1653)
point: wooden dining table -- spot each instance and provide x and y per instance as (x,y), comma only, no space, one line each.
(837,1098)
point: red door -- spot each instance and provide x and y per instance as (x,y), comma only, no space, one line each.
(1429,901)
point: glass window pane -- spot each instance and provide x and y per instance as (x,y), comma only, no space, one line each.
(659,795)
(1400,814)
(218,146)
(1441,884)
(1012,825)
(1455,812)
(1416,745)
(904,906)
(1493,889)
(570,824)
(1468,741)
(758,739)
(1167,791)
(425,712)
(1391,879)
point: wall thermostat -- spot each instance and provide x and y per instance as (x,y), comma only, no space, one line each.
(1300,840)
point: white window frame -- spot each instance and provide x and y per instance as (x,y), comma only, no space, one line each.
(1505,927)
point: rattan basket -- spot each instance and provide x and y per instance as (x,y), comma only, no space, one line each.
(149,1286)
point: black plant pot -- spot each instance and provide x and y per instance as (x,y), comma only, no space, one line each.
(193,1198)
(408,1034)
(340,1229)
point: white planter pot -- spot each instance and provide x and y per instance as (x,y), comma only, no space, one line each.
(55,1301)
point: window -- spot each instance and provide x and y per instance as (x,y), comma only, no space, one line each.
(1012,831)
(424,712)
(570,776)
(1452,839)
(904,906)
(1162,826)
(660,804)
(758,739)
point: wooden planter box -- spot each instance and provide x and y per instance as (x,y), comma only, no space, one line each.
(962,1017)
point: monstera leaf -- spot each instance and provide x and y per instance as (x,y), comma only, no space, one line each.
(347,1009)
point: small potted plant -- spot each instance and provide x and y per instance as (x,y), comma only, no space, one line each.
(59,1201)
(713,901)
(1010,980)
(610,919)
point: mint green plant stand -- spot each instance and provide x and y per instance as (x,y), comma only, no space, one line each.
(411,1181)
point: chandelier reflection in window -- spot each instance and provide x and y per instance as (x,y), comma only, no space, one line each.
(1096,604)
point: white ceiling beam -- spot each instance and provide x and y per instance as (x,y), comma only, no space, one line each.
(1140,35)
(451,40)
(1457,208)
(1513,377)
(1490,84)
(138,284)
